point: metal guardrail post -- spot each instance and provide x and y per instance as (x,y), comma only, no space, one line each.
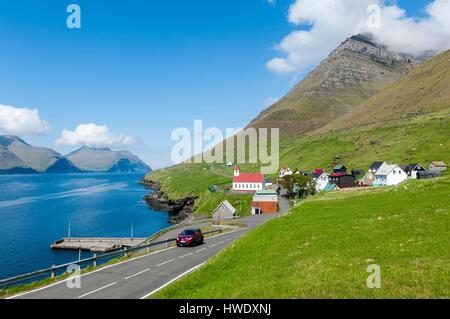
(53,269)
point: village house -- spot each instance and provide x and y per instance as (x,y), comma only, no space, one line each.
(367,180)
(427,174)
(320,180)
(357,172)
(330,188)
(268,183)
(285,171)
(340,169)
(438,167)
(412,169)
(224,211)
(375,167)
(342,180)
(390,175)
(247,182)
(265,202)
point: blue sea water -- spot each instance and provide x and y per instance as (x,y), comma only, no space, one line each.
(35,210)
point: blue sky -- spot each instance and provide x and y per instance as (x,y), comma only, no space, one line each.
(144,68)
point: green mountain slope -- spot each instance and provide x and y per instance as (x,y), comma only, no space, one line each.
(323,247)
(407,122)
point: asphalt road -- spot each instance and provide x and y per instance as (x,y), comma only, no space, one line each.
(142,276)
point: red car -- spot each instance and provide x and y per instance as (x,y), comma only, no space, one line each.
(190,237)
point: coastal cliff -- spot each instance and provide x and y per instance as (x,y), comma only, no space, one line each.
(178,209)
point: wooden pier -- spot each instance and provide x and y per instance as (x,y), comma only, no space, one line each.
(96,244)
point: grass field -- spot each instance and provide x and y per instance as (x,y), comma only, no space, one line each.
(323,247)
(420,142)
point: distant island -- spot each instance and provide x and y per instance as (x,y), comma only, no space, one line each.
(19,157)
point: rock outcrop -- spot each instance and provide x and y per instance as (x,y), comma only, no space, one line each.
(178,209)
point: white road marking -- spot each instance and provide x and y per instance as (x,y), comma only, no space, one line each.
(200,250)
(213,245)
(96,290)
(139,273)
(181,257)
(114,265)
(173,280)
(165,263)
(89,273)
(221,242)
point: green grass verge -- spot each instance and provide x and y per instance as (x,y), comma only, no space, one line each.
(323,247)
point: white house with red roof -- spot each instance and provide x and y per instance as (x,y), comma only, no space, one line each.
(247,182)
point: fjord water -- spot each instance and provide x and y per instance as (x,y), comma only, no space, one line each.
(35,210)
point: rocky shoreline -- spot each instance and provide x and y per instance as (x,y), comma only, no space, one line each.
(179,210)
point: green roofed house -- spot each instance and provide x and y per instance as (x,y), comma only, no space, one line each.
(330,187)
(340,169)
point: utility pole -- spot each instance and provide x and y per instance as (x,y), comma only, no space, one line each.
(132,231)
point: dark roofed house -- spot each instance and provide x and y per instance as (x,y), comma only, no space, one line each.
(413,169)
(375,167)
(340,169)
(342,180)
(357,172)
(427,175)
(309,174)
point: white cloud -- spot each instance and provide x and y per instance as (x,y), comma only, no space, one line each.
(21,121)
(94,135)
(326,23)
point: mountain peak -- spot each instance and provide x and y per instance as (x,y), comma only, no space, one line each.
(365,45)
(104,159)
(91,148)
(6,140)
(356,70)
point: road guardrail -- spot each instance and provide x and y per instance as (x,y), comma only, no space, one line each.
(52,271)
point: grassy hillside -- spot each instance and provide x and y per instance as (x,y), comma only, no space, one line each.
(416,142)
(195,179)
(406,123)
(421,142)
(323,247)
